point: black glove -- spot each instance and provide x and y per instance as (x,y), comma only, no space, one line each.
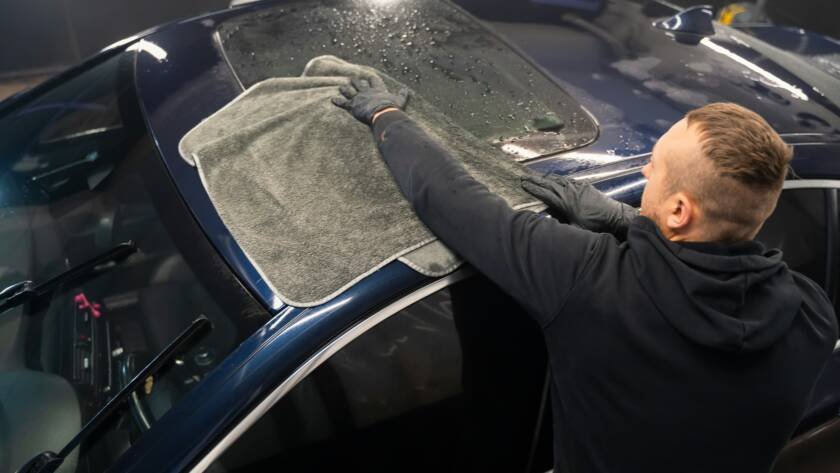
(582,204)
(363,98)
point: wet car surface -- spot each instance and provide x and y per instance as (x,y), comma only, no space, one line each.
(606,86)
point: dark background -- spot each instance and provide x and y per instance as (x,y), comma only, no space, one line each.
(42,37)
(819,16)
(50,34)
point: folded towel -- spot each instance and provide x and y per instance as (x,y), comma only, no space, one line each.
(301,186)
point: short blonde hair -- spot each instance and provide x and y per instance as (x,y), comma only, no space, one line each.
(749,162)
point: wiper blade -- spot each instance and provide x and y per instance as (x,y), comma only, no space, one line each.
(48,462)
(24,291)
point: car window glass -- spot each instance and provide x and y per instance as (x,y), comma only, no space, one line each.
(433,47)
(451,383)
(798,228)
(79,175)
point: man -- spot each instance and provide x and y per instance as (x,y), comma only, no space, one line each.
(687,348)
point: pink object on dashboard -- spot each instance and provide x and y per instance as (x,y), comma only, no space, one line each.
(82,302)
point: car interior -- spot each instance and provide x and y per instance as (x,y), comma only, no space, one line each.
(80,178)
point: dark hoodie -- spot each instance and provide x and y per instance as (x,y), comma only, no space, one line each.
(665,357)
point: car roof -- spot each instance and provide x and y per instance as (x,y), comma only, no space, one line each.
(634,86)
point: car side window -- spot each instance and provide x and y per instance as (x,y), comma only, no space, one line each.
(453,382)
(801,227)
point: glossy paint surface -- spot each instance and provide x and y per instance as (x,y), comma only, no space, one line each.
(631,77)
(636,80)
(823,52)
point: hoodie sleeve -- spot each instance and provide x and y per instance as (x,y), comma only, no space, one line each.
(534,258)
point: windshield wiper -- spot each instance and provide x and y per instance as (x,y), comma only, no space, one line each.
(48,462)
(24,291)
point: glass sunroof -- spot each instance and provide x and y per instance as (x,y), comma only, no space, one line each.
(433,47)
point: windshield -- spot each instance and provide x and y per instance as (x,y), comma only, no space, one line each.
(78,177)
(434,48)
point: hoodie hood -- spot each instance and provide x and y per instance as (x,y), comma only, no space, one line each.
(733,297)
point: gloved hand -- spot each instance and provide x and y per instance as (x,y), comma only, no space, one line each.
(363,98)
(582,204)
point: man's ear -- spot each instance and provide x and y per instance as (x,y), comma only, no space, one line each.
(681,212)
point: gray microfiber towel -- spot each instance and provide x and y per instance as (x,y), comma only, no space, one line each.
(301,186)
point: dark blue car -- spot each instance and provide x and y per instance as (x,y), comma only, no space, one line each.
(133,316)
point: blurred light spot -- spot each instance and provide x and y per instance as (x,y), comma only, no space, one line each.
(627,187)
(517,150)
(594,158)
(147,46)
(276,303)
(795,92)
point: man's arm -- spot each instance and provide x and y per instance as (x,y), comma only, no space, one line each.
(534,258)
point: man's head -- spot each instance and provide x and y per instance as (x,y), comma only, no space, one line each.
(715,175)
